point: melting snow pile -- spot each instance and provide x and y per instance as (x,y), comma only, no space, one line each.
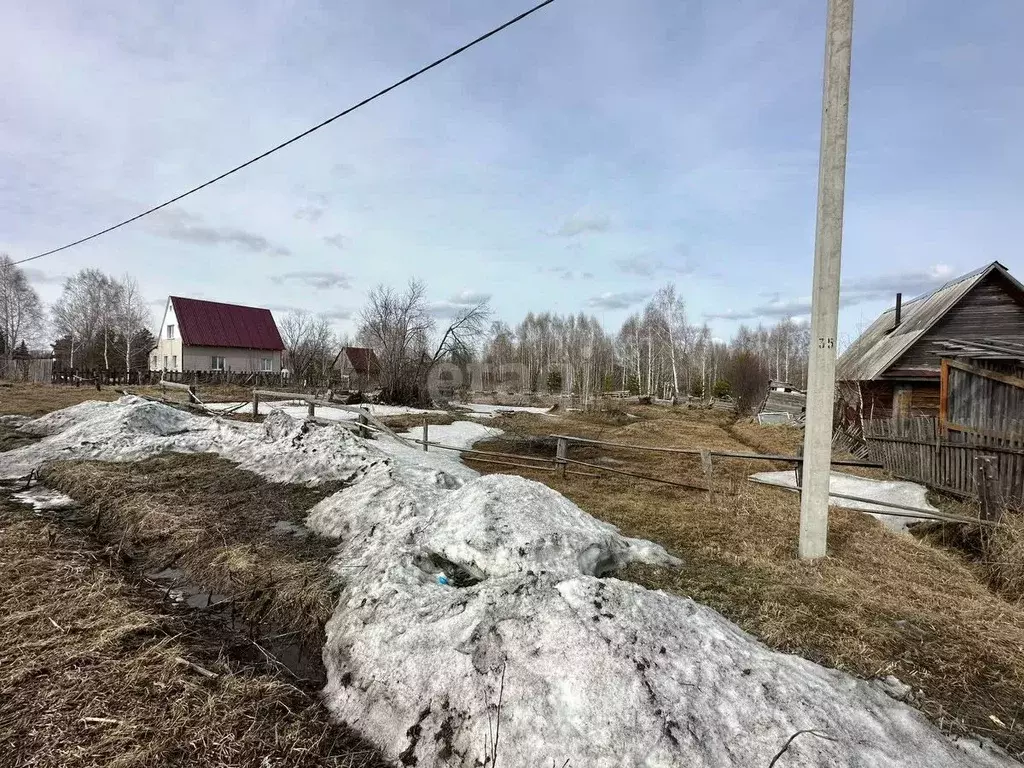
(895,491)
(483,616)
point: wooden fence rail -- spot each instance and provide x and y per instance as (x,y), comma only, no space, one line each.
(918,449)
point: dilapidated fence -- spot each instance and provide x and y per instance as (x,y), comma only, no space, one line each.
(77,376)
(36,370)
(919,449)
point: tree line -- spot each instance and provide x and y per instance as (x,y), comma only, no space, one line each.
(100,321)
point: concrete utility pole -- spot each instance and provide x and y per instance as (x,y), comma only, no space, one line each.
(828,246)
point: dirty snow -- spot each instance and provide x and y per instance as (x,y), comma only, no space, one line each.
(895,491)
(40,498)
(487,411)
(461,434)
(597,671)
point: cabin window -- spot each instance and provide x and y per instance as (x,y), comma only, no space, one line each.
(265,364)
(216,363)
(155,362)
(165,362)
(170,331)
(174,362)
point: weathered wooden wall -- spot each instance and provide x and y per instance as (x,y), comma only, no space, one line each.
(918,449)
(983,397)
(989,311)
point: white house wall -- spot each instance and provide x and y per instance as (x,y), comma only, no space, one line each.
(240,360)
(168,352)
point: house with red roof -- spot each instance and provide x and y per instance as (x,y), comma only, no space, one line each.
(360,367)
(197,335)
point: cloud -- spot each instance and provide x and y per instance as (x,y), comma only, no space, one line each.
(852,292)
(34,275)
(320,280)
(310,213)
(910,284)
(330,314)
(461,301)
(581,222)
(567,274)
(651,266)
(177,224)
(336,241)
(621,300)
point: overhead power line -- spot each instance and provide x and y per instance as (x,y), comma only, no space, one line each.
(302,135)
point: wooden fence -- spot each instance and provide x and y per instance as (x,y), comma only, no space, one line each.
(918,449)
(78,376)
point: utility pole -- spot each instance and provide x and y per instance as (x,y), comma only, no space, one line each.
(828,246)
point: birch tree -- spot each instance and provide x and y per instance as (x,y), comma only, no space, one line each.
(21,311)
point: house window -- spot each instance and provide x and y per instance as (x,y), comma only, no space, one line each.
(165,362)
(265,364)
(216,363)
(170,331)
(155,362)
(174,362)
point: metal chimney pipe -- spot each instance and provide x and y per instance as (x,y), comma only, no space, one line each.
(899,310)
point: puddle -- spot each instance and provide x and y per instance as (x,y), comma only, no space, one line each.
(284,648)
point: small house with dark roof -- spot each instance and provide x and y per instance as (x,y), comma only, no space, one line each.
(894,367)
(197,335)
(360,367)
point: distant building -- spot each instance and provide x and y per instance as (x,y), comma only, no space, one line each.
(893,368)
(359,367)
(197,335)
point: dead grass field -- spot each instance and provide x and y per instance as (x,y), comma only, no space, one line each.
(203,515)
(39,399)
(880,604)
(95,674)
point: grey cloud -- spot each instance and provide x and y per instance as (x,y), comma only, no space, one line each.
(321,280)
(457,303)
(336,241)
(579,223)
(567,274)
(852,292)
(621,300)
(188,228)
(34,275)
(651,266)
(310,213)
(330,314)
(910,284)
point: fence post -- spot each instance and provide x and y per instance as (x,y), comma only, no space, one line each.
(800,471)
(561,454)
(705,463)
(985,477)
(364,432)
(311,410)
(255,405)
(425,434)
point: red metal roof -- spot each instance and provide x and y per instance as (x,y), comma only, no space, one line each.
(363,360)
(212,324)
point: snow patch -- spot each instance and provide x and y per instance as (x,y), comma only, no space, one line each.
(487,408)
(461,434)
(895,491)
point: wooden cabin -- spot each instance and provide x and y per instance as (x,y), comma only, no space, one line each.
(894,367)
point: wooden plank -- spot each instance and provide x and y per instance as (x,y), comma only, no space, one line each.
(943,393)
(985,373)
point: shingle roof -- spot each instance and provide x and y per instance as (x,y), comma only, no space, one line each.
(880,346)
(363,360)
(212,324)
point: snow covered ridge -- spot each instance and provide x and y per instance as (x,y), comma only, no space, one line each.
(586,667)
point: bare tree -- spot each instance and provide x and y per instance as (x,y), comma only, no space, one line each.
(21,311)
(86,312)
(398,326)
(310,344)
(131,315)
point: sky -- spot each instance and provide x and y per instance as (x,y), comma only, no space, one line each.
(576,162)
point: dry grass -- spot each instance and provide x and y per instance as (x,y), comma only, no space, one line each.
(91,673)
(38,399)
(880,604)
(203,515)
